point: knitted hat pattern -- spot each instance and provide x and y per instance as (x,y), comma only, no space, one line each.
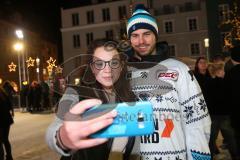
(141,19)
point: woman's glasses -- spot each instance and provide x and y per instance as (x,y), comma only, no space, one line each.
(100,64)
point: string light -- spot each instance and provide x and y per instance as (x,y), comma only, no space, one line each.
(30,62)
(59,69)
(12,67)
(51,64)
(234,22)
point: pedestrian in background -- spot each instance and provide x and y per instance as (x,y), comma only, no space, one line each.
(6,120)
(45,95)
(203,76)
(9,90)
(220,116)
(35,96)
(232,80)
(24,97)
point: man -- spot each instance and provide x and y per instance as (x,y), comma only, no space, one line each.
(182,122)
(232,79)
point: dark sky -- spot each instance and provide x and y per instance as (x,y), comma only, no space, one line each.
(38,15)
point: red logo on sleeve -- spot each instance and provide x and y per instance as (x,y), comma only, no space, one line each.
(168,75)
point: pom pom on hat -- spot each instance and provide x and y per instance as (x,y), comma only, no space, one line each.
(141,19)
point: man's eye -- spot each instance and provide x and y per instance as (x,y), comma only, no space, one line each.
(147,34)
(134,36)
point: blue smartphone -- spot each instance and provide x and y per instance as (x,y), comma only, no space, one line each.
(133,119)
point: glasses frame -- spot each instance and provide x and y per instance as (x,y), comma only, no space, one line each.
(106,62)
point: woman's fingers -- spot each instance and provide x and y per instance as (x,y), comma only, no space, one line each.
(108,115)
(75,131)
(94,127)
(82,106)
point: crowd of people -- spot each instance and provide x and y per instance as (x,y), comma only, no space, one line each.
(35,97)
(219,82)
(39,96)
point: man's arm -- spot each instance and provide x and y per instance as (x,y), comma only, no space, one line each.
(196,119)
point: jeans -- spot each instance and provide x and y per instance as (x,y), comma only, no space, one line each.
(4,133)
(223,123)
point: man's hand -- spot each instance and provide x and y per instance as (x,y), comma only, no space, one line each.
(75,134)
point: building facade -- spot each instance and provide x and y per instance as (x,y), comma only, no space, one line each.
(184,24)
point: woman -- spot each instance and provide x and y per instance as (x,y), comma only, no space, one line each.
(201,72)
(6,120)
(107,69)
(203,76)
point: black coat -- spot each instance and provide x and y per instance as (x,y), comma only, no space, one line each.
(216,97)
(5,108)
(232,81)
(204,82)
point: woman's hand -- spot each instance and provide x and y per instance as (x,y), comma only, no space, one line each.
(74,134)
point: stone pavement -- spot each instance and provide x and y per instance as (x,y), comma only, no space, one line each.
(27,136)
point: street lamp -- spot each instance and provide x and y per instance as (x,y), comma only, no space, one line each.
(206,45)
(38,62)
(19,34)
(19,47)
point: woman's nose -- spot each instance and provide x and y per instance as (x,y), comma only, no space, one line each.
(107,68)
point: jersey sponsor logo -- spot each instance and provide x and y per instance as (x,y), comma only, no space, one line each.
(168,75)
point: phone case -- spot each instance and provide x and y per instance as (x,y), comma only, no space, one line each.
(133,119)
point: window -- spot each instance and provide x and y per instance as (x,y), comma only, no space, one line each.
(168,26)
(105,14)
(109,34)
(195,49)
(172,51)
(90,17)
(75,19)
(122,12)
(166,9)
(76,41)
(192,24)
(89,38)
(223,12)
(189,6)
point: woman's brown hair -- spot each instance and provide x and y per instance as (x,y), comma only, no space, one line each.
(121,87)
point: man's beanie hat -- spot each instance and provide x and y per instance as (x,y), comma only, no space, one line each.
(235,53)
(141,19)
